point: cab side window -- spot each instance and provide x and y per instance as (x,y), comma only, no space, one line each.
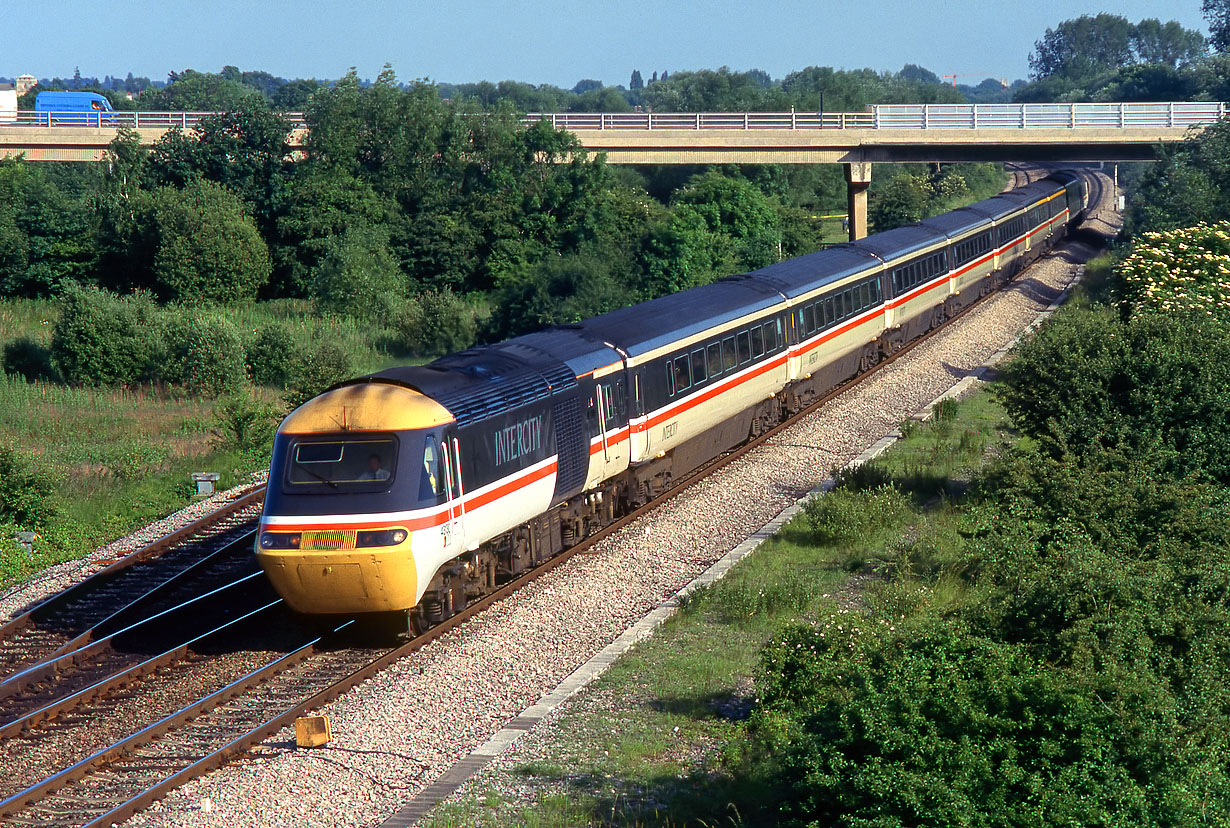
(432,479)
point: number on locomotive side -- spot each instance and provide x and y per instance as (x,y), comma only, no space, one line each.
(669,430)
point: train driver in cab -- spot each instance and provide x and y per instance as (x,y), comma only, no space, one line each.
(375,469)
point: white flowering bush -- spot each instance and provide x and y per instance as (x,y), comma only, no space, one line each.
(1180,270)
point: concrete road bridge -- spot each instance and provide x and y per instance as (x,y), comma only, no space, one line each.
(894,133)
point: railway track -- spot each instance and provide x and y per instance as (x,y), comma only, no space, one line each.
(1023,174)
(283,675)
(118,593)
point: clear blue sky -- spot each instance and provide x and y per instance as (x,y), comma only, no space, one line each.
(540,42)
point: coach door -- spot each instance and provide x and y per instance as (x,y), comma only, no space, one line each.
(611,400)
(453,529)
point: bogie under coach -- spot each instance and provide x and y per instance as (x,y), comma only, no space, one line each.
(422,488)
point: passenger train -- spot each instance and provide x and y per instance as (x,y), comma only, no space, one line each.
(419,489)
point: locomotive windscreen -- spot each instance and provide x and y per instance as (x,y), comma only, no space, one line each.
(335,463)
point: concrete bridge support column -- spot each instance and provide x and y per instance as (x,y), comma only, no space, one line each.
(858,179)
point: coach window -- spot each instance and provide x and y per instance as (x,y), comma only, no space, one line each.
(698,366)
(729,360)
(809,319)
(714,358)
(770,337)
(757,342)
(683,378)
(670,378)
(745,347)
(830,315)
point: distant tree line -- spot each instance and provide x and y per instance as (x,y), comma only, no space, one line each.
(1106,57)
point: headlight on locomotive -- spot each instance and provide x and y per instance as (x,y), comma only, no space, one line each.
(280,540)
(380,537)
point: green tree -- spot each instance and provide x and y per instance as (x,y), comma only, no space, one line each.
(294,95)
(1083,46)
(1168,44)
(45,235)
(358,276)
(902,200)
(242,148)
(736,208)
(195,91)
(1217,15)
(707,90)
(320,203)
(199,244)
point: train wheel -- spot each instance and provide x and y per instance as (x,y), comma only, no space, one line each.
(937,317)
(871,356)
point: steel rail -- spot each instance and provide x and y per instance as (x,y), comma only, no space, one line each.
(149,552)
(115,620)
(79,770)
(118,680)
(44,670)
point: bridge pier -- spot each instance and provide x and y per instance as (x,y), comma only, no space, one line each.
(858,179)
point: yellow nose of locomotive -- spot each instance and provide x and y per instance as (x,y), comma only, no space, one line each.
(327,571)
(339,550)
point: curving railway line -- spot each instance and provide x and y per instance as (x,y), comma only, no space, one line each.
(109,701)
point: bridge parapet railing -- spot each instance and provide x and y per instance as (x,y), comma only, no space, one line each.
(583,121)
(1048,115)
(114,120)
(884,116)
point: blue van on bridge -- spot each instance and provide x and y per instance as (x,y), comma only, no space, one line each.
(86,108)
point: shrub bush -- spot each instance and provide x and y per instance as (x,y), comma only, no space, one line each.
(1179,270)
(27,495)
(872,727)
(171,344)
(271,355)
(315,370)
(1156,386)
(29,359)
(214,360)
(246,423)
(843,516)
(200,245)
(105,339)
(433,323)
